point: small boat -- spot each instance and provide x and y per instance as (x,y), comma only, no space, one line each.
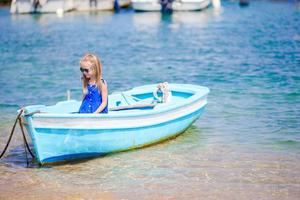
(41,6)
(135,119)
(176,5)
(61,6)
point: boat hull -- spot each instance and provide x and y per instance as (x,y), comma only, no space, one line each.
(146,6)
(190,6)
(56,6)
(52,6)
(58,145)
(84,5)
(154,5)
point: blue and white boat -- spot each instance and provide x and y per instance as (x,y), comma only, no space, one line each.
(135,119)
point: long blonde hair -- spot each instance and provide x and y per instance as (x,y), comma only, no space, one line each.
(93,62)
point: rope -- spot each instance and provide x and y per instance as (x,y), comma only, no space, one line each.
(18,119)
(24,138)
(27,162)
(124,96)
(130,96)
(11,133)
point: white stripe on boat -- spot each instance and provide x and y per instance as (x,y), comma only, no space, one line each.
(104,122)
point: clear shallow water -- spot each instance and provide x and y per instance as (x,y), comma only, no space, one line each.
(245,146)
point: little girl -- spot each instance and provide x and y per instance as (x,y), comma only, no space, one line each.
(94,87)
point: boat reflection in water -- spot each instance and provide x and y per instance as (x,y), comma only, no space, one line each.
(150,20)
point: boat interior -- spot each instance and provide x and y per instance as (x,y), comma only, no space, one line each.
(118,102)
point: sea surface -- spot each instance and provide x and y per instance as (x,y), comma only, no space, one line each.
(246,145)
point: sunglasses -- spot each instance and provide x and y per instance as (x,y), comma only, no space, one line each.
(84,70)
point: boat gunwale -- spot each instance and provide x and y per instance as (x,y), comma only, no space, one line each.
(199,92)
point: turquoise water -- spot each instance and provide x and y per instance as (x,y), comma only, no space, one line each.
(246,145)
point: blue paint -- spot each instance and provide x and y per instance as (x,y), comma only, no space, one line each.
(101,142)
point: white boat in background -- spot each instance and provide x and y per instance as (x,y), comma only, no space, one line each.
(41,6)
(176,5)
(97,5)
(61,6)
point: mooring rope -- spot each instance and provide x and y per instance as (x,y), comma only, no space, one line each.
(24,138)
(18,119)
(11,134)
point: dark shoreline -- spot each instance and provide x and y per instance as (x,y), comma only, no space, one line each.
(5,3)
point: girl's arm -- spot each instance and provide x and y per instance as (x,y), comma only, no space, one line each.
(104,99)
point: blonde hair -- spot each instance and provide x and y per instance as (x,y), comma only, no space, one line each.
(93,62)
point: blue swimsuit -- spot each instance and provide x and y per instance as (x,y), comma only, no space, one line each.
(92,101)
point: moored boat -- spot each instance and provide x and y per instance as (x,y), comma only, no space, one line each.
(135,119)
(176,5)
(61,6)
(41,6)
